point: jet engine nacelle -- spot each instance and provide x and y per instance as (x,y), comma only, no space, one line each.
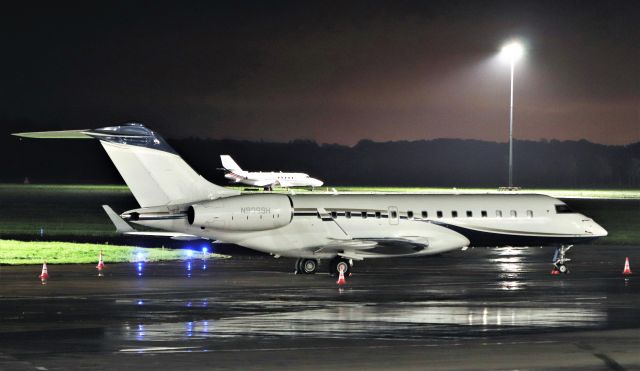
(243,213)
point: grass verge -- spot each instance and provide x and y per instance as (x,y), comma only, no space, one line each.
(19,252)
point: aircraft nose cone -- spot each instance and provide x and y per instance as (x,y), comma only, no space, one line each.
(599,231)
(593,228)
(317,182)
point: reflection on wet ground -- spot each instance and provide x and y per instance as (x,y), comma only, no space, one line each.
(199,305)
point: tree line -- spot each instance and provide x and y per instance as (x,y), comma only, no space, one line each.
(436,163)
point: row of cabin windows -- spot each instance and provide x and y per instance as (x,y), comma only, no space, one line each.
(560,209)
(469,213)
(424,214)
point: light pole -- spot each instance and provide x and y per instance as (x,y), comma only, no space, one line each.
(511,52)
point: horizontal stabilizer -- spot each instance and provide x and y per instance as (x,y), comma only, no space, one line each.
(123,227)
(62,134)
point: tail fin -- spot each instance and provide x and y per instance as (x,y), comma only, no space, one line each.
(155,173)
(229,164)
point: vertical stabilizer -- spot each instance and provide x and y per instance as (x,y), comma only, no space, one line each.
(229,164)
(155,173)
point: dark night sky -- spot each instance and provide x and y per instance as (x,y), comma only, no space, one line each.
(329,71)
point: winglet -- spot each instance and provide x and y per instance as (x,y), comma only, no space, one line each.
(121,225)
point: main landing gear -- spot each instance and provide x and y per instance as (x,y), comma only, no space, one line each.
(306,266)
(310,266)
(560,260)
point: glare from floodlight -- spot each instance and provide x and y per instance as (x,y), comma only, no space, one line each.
(512,51)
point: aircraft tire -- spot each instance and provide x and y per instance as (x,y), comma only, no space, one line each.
(563,268)
(308,266)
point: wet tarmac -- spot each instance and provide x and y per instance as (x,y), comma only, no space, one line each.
(474,309)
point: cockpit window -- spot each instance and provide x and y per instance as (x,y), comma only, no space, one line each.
(564,209)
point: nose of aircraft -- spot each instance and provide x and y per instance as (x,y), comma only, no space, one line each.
(593,228)
(316,182)
(598,230)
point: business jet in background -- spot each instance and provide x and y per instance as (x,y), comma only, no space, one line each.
(267,180)
(341,228)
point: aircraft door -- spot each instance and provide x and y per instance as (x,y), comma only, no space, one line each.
(394,218)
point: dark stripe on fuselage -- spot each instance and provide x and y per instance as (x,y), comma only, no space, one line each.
(490,239)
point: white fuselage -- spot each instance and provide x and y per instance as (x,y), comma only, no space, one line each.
(381,225)
(174,198)
(265,179)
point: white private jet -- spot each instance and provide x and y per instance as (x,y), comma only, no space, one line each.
(267,179)
(342,228)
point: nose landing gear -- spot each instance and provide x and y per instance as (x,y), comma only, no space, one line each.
(560,260)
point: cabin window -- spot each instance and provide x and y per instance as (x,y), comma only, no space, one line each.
(409,214)
(498,213)
(425,214)
(514,213)
(378,215)
(439,213)
(564,209)
(529,213)
(454,214)
(334,214)
(469,213)
(483,213)
(348,214)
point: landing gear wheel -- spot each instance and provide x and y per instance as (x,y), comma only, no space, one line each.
(308,266)
(338,263)
(563,268)
(560,259)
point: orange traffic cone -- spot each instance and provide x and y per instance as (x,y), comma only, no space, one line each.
(627,268)
(555,271)
(44,276)
(341,280)
(100,265)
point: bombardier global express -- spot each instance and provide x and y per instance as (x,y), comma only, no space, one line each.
(341,228)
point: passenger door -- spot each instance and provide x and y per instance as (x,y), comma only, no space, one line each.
(394,218)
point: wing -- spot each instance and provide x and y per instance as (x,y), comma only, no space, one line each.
(262,182)
(285,184)
(359,249)
(345,245)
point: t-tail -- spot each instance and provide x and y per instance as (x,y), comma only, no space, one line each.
(234,172)
(229,165)
(155,173)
